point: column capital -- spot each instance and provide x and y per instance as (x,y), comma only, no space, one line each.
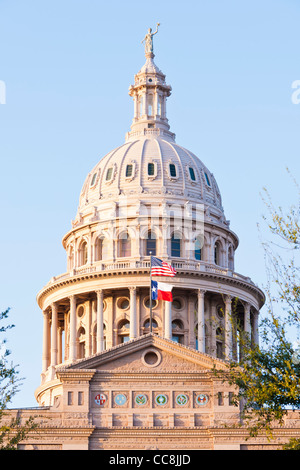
(99,292)
(132,288)
(201,292)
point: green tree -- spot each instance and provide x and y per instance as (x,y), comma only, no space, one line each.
(268,376)
(11,431)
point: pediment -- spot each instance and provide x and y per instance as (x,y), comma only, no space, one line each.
(149,354)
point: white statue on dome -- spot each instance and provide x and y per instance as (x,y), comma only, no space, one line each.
(148,40)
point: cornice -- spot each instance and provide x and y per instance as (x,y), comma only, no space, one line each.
(183,273)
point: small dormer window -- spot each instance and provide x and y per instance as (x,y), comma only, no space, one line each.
(109,174)
(172,168)
(129,169)
(94,179)
(207,179)
(192,174)
(151,169)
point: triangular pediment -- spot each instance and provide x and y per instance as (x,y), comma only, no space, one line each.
(149,354)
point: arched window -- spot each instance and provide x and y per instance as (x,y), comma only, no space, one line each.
(198,245)
(177,331)
(147,324)
(217,253)
(124,246)
(71,258)
(230,258)
(141,105)
(151,244)
(175,246)
(159,105)
(123,331)
(83,253)
(98,249)
(219,344)
(150,105)
(81,344)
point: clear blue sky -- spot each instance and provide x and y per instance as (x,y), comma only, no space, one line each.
(67,66)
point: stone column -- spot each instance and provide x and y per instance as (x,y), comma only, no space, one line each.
(201,321)
(133,319)
(255,328)
(46,335)
(168,320)
(72,346)
(247,325)
(59,339)
(54,333)
(228,328)
(100,339)
(88,342)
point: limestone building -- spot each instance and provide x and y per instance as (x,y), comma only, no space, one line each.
(108,380)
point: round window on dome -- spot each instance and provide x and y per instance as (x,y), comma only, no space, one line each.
(123,303)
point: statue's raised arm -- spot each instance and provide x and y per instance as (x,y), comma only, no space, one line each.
(148,39)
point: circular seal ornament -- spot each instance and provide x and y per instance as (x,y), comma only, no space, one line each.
(202,399)
(120,399)
(141,399)
(100,399)
(161,399)
(181,399)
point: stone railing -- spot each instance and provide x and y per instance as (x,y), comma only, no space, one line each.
(184,265)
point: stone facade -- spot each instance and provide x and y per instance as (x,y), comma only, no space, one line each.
(109,381)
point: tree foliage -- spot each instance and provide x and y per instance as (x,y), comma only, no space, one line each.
(12,431)
(268,376)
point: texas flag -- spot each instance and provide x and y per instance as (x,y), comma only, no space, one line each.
(161,291)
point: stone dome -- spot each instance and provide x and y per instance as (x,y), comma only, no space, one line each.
(151,165)
(150,162)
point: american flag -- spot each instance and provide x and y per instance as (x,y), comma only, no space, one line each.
(160,268)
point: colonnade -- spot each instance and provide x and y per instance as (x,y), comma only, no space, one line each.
(52,332)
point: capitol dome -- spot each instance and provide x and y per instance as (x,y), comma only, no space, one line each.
(151,165)
(147,197)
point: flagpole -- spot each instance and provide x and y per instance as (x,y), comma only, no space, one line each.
(150,292)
